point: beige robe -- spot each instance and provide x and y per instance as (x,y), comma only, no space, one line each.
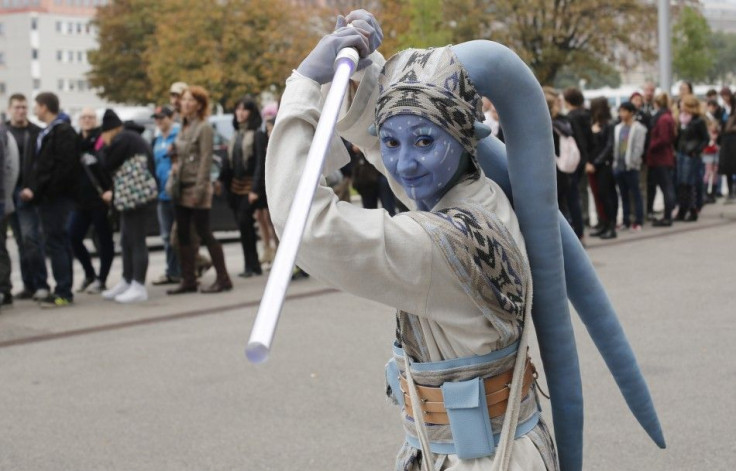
(372,255)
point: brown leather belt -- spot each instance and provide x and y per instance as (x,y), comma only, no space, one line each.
(497,394)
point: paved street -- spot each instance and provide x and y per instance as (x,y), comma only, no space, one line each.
(165,385)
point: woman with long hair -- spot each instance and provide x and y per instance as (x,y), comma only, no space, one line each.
(601,166)
(661,157)
(192,192)
(691,141)
(242,176)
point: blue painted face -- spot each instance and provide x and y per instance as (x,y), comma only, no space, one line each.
(421,156)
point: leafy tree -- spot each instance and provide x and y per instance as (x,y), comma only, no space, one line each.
(692,56)
(230,47)
(125,28)
(427,26)
(723,46)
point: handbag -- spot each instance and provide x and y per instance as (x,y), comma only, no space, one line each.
(133,184)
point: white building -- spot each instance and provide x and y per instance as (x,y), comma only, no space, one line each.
(721,15)
(43,47)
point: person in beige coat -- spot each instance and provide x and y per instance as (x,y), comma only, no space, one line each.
(191,190)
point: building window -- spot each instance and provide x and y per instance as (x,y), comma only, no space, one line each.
(34,24)
(2,88)
(2,29)
(34,54)
(81,85)
(79,28)
(59,56)
(70,28)
(79,56)
(36,84)
(70,56)
(87,28)
(71,85)
(2,58)
(60,84)
(58,26)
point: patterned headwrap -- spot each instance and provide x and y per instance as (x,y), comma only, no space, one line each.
(431,83)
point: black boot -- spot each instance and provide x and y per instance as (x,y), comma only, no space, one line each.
(610,232)
(600,230)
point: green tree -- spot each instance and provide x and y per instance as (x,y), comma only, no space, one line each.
(692,57)
(230,47)
(724,57)
(427,25)
(118,65)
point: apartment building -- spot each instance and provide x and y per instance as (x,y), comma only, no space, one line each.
(43,47)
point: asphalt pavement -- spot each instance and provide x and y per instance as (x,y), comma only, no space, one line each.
(164,385)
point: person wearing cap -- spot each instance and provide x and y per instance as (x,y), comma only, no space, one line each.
(629,137)
(51,187)
(175,92)
(90,209)
(122,144)
(162,154)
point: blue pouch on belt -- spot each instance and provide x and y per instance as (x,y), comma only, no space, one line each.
(465,402)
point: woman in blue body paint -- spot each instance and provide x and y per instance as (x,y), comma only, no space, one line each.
(455,267)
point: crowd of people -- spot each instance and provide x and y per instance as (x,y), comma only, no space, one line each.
(682,148)
(57,183)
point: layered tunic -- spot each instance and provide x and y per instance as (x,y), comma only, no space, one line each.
(408,269)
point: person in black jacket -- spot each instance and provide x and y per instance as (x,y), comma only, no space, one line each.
(601,166)
(90,209)
(25,221)
(122,144)
(691,141)
(577,195)
(242,177)
(52,186)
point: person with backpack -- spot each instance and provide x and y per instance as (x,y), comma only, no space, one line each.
(629,137)
(565,152)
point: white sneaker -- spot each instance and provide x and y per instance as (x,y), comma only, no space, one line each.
(96,287)
(136,293)
(40,294)
(119,288)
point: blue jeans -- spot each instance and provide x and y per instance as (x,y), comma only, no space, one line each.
(165,211)
(54,221)
(628,183)
(688,169)
(26,225)
(79,223)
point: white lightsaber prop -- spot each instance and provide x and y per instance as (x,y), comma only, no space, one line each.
(269,311)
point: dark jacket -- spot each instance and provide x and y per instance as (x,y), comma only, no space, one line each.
(581,130)
(125,145)
(727,152)
(56,167)
(25,138)
(253,152)
(693,138)
(661,150)
(93,180)
(602,155)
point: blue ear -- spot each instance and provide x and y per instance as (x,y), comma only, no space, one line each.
(372,130)
(481,130)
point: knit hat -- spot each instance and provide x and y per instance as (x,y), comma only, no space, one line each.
(163,111)
(431,83)
(110,120)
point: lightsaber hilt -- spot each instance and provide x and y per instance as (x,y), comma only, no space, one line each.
(269,311)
